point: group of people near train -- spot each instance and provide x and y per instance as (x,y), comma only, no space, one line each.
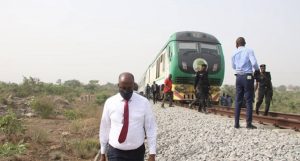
(121,140)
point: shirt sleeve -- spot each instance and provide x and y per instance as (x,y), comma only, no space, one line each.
(233,62)
(150,129)
(253,60)
(196,80)
(104,128)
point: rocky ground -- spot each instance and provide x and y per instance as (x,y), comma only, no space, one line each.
(187,135)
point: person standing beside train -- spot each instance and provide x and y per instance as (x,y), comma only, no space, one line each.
(155,90)
(147,90)
(243,61)
(202,86)
(168,91)
(265,89)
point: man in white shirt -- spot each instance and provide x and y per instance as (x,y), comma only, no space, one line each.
(127,119)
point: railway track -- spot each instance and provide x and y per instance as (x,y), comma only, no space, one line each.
(281,120)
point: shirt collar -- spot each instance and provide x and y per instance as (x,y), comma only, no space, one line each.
(240,47)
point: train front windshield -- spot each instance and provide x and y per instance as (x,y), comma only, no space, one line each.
(193,54)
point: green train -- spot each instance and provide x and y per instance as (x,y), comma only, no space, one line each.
(182,56)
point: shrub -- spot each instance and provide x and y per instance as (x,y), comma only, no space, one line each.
(39,135)
(43,107)
(85,149)
(76,125)
(101,98)
(8,149)
(72,114)
(9,124)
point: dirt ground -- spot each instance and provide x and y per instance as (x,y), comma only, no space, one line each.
(53,139)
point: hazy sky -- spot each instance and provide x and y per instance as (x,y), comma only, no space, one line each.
(97,40)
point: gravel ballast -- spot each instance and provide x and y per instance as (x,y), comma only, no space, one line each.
(187,135)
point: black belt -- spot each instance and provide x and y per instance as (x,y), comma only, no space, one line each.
(244,74)
(139,148)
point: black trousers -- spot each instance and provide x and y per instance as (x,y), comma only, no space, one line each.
(114,154)
(267,94)
(244,89)
(168,95)
(154,97)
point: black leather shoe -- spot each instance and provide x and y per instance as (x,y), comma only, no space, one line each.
(237,126)
(251,127)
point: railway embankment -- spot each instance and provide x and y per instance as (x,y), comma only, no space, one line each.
(187,135)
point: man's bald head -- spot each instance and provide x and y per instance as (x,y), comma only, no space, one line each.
(240,42)
(126,75)
(126,81)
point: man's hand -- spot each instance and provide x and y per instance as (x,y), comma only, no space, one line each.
(256,74)
(102,157)
(151,157)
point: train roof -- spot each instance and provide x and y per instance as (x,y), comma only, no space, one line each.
(189,36)
(194,36)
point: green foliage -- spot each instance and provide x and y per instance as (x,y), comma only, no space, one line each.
(101,98)
(72,83)
(9,149)
(284,100)
(85,149)
(72,114)
(9,124)
(43,107)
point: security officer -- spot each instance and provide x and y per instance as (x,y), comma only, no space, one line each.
(155,91)
(265,89)
(202,87)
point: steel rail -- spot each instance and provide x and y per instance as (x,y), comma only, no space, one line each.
(281,120)
(276,121)
(271,114)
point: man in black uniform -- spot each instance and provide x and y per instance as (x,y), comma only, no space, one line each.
(265,89)
(147,90)
(155,90)
(201,87)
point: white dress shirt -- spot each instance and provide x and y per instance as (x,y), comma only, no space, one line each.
(141,121)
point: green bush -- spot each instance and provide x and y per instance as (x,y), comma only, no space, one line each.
(101,98)
(43,107)
(9,149)
(72,114)
(9,124)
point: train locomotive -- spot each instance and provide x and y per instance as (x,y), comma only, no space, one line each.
(182,56)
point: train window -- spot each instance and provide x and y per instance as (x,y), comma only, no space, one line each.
(163,57)
(209,49)
(169,53)
(184,45)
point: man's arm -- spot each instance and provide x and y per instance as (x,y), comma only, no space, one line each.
(253,60)
(196,80)
(151,130)
(104,128)
(233,63)
(256,85)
